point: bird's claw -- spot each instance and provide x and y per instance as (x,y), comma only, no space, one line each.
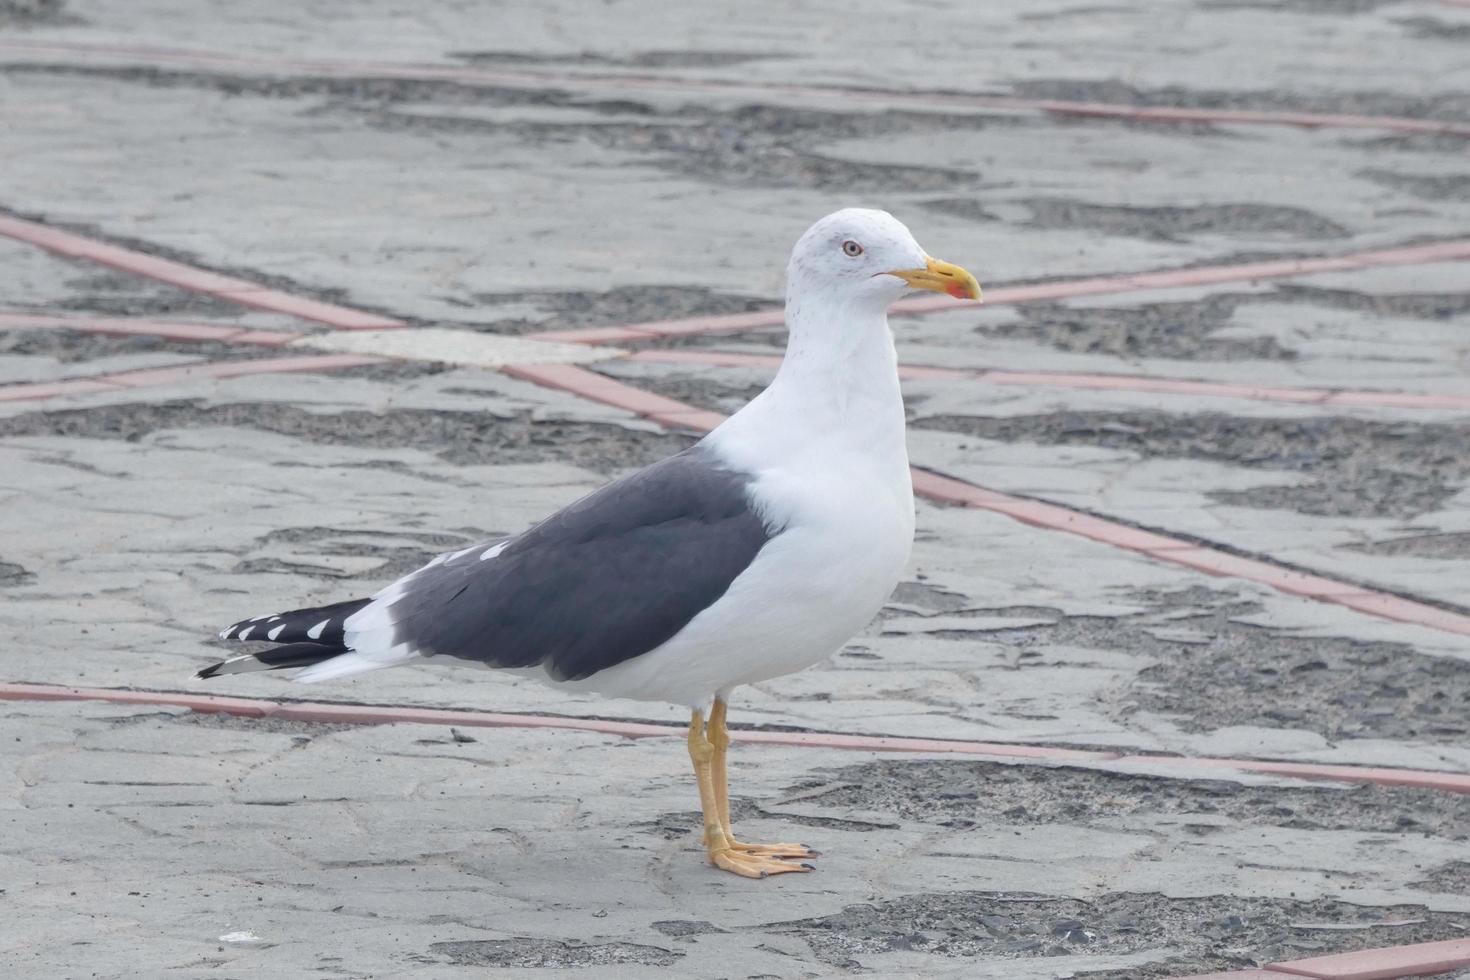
(791,851)
(749,865)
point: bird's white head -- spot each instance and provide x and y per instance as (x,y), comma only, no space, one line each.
(860,257)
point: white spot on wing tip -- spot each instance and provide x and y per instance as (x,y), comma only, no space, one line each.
(245,633)
(315,633)
(275,632)
(494,550)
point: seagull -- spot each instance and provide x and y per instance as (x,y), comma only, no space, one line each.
(757,552)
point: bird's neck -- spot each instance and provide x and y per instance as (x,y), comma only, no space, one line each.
(840,370)
(835,397)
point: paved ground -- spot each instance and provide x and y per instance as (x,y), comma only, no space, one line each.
(621,163)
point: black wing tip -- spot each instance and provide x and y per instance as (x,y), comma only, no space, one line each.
(313,624)
(279,658)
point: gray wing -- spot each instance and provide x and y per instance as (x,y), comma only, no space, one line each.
(611,577)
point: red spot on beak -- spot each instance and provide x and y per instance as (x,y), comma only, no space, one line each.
(957,291)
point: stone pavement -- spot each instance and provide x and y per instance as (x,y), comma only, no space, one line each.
(562,166)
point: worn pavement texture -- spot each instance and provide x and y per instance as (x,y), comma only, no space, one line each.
(139,842)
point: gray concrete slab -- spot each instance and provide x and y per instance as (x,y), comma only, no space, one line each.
(134,523)
(460,206)
(145,841)
(1296,47)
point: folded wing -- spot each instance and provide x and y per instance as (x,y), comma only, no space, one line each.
(610,577)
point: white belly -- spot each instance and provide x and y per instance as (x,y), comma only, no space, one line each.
(806,594)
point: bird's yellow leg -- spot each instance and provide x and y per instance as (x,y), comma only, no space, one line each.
(719,739)
(723,854)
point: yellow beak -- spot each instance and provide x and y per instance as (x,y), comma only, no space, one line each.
(942,277)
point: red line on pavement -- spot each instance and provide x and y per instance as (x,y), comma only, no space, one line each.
(362,714)
(1382,963)
(171,330)
(137,326)
(1450,251)
(188,277)
(153,377)
(1378,963)
(600,388)
(1108,382)
(948,490)
(869,99)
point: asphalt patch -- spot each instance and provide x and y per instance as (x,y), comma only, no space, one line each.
(1425,143)
(1453,877)
(398,562)
(1332,7)
(1447,546)
(706,392)
(1445,106)
(389,371)
(550,953)
(1336,687)
(680,928)
(1419,306)
(748,146)
(1182,330)
(929,598)
(1074,12)
(120,294)
(461,438)
(1433,29)
(430,539)
(34,13)
(1214,933)
(1179,224)
(72,347)
(365,88)
(965,208)
(400,552)
(625,304)
(985,796)
(1185,330)
(1211,671)
(13,574)
(639,59)
(276,726)
(773,338)
(1439,187)
(1358,467)
(702,392)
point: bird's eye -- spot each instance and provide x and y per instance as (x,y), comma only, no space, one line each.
(851,248)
